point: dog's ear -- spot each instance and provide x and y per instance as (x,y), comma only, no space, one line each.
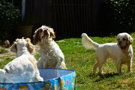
(130,39)
(118,37)
(52,33)
(36,36)
(13,47)
(30,46)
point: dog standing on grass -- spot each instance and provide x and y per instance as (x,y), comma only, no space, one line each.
(121,51)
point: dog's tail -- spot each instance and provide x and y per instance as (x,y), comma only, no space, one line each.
(88,43)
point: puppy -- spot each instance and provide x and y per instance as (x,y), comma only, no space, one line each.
(24,67)
(51,54)
(121,51)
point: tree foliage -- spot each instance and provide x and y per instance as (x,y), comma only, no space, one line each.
(122,15)
(9,16)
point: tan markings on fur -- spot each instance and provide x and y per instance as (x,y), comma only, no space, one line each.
(14,48)
(37,35)
(30,46)
(51,31)
(34,63)
(17,40)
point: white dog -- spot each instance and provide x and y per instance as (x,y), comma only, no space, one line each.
(121,51)
(24,67)
(51,54)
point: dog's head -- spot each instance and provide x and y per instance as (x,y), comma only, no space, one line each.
(43,33)
(22,43)
(124,40)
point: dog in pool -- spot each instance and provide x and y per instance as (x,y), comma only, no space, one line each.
(24,67)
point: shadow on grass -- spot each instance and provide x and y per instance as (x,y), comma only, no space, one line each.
(102,76)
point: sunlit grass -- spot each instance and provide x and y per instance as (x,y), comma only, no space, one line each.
(82,61)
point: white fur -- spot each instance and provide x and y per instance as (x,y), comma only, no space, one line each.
(51,54)
(121,52)
(20,69)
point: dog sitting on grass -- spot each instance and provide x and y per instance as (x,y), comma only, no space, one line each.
(51,54)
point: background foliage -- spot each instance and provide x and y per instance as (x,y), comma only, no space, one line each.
(8,18)
(122,15)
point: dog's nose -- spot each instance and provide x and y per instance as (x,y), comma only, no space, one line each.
(119,42)
(45,31)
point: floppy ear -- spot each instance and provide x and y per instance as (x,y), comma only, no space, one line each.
(36,36)
(118,36)
(130,39)
(13,47)
(52,33)
(30,46)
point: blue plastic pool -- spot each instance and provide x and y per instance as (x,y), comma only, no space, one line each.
(54,79)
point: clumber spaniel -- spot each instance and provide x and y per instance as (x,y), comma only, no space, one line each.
(121,51)
(51,54)
(24,67)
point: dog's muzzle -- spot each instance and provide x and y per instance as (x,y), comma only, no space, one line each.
(122,47)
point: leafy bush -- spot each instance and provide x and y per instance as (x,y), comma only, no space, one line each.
(9,16)
(122,15)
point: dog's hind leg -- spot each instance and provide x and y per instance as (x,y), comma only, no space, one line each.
(101,62)
(95,67)
(100,68)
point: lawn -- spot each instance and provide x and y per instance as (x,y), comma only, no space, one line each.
(82,61)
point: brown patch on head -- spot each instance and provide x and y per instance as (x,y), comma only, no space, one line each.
(45,30)
(33,62)
(30,46)
(52,33)
(130,39)
(13,47)
(37,36)
(49,31)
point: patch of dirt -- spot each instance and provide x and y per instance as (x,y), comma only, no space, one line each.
(8,54)
(13,55)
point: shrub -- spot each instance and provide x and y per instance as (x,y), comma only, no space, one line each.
(9,16)
(122,15)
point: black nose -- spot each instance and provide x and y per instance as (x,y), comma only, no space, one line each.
(119,42)
(45,32)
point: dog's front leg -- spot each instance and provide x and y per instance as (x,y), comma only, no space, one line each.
(41,63)
(118,65)
(59,63)
(129,65)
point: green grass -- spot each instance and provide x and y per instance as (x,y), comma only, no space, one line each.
(82,61)
(5,61)
(3,50)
